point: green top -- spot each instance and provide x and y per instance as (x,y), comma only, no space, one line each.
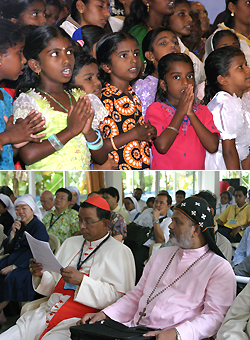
(139,32)
(63,227)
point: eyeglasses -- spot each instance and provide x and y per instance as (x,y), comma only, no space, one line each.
(87,223)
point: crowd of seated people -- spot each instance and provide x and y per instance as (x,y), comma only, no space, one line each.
(96,221)
(131,111)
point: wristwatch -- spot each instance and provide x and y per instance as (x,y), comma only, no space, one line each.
(13,267)
(157,221)
(242,228)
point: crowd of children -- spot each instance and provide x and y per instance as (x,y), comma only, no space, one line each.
(125,92)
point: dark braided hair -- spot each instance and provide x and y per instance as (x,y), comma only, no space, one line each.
(35,43)
(164,67)
(218,63)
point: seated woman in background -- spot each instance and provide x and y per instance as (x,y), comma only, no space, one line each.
(133,208)
(15,276)
(7,212)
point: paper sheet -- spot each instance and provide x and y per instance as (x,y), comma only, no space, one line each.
(43,254)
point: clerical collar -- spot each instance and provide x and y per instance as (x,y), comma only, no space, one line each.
(96,242)
(192,253)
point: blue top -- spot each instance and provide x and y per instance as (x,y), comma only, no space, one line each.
(6,157)
(243,249)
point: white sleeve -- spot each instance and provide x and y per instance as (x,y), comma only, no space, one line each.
(23,105)
(236,323)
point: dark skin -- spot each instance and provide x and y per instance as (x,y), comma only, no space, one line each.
(24,130)
(184,107)
(56,57)
(141,132)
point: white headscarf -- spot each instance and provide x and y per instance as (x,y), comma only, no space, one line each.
(74,189)
(10,207)
(137,207)
(31,202)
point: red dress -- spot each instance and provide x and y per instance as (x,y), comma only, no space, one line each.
(186,152)
(123,116)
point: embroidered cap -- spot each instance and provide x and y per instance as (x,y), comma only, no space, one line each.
(99,202)
(198,211)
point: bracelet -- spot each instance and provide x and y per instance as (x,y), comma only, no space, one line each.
(97,139)
(97,146)
(157,221)
(173,128)
(13,266)
(113,144)
(55,142)
(178,336)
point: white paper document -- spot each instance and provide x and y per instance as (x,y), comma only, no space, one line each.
(43,254)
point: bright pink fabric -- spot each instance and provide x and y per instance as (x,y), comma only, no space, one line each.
(187,152)
(196,304)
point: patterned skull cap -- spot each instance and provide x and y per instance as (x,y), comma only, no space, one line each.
(198,211)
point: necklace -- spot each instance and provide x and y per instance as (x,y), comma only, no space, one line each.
(152,296)
(47,94)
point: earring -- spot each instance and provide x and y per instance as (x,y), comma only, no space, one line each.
(38,73)
(81,11)
(232,14)
(148,7)
(109,71)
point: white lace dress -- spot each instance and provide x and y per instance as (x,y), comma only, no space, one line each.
(75,154)
(231,117)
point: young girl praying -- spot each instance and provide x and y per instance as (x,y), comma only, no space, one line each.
(118,57)
(184,130)
(228,78)
(50,62)
(155,45)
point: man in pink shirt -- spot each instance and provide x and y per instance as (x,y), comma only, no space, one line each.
(185,289)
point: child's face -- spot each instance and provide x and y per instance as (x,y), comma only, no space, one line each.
(87,80)
(125,61)
(95,12)
(128,204)
(227,40)
(224,199)
(12,62)
(242,12)
(34,15)
(52,14)
(165,43)
(178,78)
(180,21)
(238,79)
(56,61)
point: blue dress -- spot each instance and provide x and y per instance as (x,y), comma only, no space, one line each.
(6,157)
(17,285)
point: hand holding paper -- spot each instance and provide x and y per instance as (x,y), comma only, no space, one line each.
(43,254)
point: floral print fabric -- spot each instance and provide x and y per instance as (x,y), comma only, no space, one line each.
(124,114)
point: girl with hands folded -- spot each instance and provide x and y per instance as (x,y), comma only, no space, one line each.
(184,130)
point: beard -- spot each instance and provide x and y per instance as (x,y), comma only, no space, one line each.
(183,241)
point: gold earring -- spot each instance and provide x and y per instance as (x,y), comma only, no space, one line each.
(232,14)
(81,11)
(109,71)
(38,73)
(148,7)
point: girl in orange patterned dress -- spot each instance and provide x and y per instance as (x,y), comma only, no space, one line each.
(126,134)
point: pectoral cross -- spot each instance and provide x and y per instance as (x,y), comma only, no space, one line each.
(142,314)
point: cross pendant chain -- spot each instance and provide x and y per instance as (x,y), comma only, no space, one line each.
(142,314)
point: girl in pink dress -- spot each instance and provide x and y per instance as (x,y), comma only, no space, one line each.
(184,130)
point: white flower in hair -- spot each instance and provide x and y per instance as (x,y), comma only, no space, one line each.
(203,216)
(197,203)
(201,224)
(183,204)
(193,213)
